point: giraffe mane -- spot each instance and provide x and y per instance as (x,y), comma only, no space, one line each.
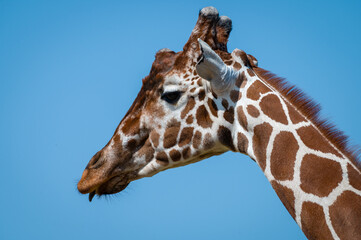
(311,110)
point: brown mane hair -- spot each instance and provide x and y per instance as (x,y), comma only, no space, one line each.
(311,110)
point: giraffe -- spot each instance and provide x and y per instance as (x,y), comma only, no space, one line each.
(204,101)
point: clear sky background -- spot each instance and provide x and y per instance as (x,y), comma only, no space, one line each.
(69,71)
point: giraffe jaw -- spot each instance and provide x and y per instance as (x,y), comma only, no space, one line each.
(154,167)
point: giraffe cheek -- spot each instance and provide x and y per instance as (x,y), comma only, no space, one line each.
(171,134)
(203,118)
(154,137)
(147,151)
(185,136)
(131,125)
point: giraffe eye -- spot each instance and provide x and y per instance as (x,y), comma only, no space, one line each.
(171,97)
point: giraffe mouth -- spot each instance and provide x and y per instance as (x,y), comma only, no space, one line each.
(119,189)
(112,186)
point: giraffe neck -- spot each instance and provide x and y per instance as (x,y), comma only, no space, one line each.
(318,184)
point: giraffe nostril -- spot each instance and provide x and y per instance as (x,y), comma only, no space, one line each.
(95,162)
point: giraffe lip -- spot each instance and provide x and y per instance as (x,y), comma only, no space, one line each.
(91,195)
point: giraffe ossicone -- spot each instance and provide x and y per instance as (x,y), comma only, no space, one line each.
(212,68)
(204,101)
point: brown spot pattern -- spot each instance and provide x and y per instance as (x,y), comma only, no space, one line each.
(175,155)
(213,107)
(186,153)
(253,61)
(272,107)
(229,62)
(117,140)
(242,117)
(225,103)
(253,111)
(313,139)
(131,125)
(189,119)
(283,156)
(234,95)
(225,137)
(294,115)
(197,139)
(190,105)
(260,140)
(229,115)
(162,158)
(203,118)
(241,80)
(319,176)
(237,66)
(286,196)
(201,95)
(185,136)
(243,56)
(256,89)
(131,145)
(147,151)
(354,177)
(171,134)
(345,215)
(250,72)
(214,95)
(154,137)
(242,143)
(195,72)
(313,222)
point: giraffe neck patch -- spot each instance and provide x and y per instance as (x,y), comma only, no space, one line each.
(309,173)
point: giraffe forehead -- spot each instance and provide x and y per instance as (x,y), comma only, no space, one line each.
(184,82)
(173,80)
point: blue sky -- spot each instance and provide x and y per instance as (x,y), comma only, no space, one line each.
(69,71)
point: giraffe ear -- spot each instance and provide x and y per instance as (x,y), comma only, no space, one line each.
(212,68)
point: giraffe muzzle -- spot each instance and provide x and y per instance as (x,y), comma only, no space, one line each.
(107,173)
(102,186)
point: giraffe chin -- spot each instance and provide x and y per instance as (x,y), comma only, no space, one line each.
(109,188)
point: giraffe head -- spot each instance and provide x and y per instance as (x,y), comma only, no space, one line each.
(182,114)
